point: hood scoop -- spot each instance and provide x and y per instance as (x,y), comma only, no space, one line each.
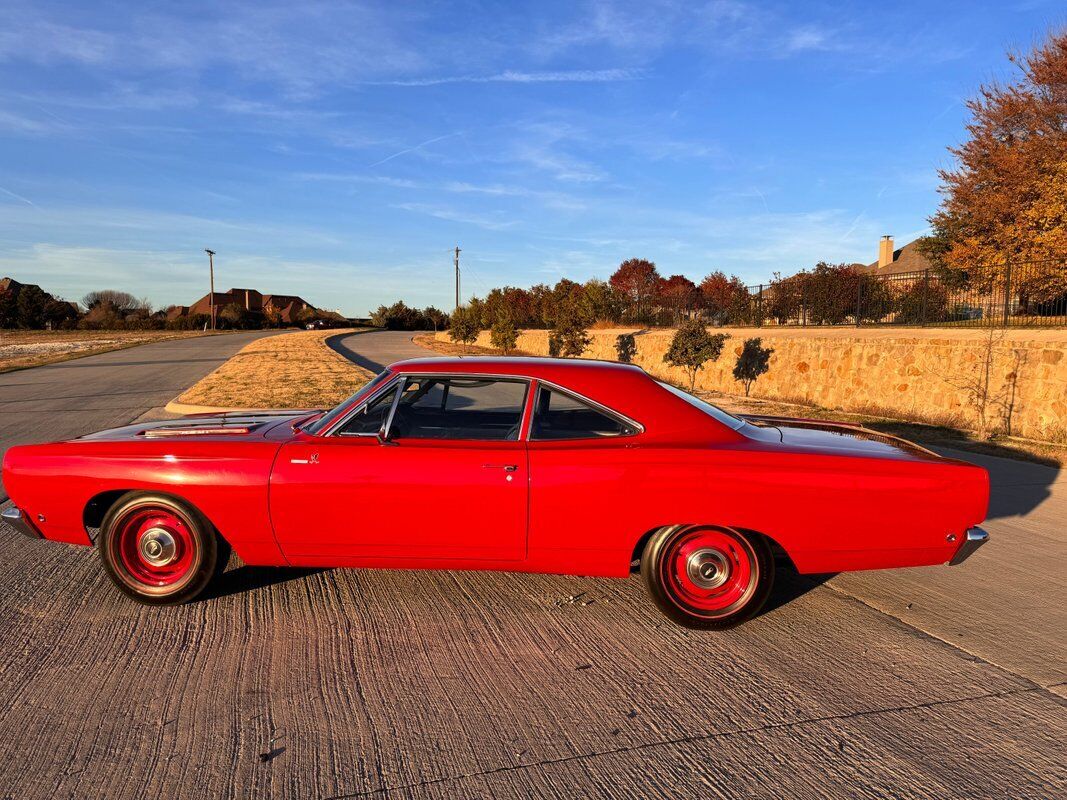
(197,430)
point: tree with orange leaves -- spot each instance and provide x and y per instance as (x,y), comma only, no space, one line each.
(1006,201)
(636,280)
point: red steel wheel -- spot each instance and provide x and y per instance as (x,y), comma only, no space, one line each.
(159,550)
(705,576)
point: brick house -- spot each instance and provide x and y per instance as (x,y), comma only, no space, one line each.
(287,306)
(893,261)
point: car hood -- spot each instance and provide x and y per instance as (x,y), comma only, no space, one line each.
(838,438)
(234,425)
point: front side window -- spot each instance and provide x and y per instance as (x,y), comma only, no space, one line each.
(370,418)
(559,416)
(459,408)
(325,421)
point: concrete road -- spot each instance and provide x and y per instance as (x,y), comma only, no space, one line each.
(349,683)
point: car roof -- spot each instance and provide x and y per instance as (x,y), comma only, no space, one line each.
(624,388)
(514,365)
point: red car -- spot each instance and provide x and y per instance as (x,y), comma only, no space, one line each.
(521,464)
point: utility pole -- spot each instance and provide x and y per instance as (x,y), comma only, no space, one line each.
(457,277)
(211,268)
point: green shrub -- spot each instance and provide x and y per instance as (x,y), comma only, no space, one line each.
(692,347)
(465,325)
(503,334)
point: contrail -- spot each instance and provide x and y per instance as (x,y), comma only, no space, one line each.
(18,197)
(412,149)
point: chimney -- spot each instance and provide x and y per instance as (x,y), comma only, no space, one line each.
(885,252)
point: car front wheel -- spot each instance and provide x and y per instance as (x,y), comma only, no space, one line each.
(159,550)
(706,576)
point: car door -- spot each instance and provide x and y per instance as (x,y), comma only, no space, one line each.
(448,481)
(585,480)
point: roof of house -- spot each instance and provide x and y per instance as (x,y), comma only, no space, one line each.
(15,286)
(905,259)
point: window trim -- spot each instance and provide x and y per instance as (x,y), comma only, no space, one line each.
(526,381)
(337,429)
(636,427)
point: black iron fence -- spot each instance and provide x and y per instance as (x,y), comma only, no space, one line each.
(1010,294)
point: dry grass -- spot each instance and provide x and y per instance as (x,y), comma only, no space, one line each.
(21,349)
(291,370)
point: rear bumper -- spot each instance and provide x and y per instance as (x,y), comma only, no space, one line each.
(20,522)
(972,540)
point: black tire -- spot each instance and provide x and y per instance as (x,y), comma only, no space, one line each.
(177,530)
(691,599)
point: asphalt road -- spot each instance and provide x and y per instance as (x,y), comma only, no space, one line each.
(378,349)
(935,682)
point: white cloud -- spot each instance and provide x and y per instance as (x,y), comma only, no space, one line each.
(492,223)
(808,37)
(20,124)
(27,37)
(511,76)
(169,278)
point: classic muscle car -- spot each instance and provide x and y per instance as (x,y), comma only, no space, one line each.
(523,464)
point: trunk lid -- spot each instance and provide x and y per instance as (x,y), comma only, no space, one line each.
(841,438)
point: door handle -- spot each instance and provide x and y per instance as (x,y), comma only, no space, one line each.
(505,467)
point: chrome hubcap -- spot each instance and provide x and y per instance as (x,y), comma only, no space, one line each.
(708,568)
(157,547)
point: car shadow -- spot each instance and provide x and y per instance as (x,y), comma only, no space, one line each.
(1016,488)
(246,578)
(790,585)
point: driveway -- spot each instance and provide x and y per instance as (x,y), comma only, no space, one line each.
(934,682)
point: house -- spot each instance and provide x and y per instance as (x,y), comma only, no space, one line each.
(56,311)
(896,262)
(286,306)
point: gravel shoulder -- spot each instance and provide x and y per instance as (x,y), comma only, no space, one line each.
(21,349)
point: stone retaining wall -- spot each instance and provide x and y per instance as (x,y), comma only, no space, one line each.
(922,374)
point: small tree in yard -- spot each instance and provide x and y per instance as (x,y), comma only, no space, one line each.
(625,347)
(752,362)
(692,347)
(465,325)
(568,337)
(503,334)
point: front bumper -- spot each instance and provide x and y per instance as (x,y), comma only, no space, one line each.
(20,522)
(972,540)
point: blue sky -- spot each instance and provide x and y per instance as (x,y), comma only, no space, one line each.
(340,150)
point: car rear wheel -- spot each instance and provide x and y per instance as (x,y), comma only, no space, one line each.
(160,550)
(706,576)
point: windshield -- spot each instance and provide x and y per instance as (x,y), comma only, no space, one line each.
(326,420)
(729,420)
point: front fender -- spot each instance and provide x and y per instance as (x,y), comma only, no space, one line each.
(227,482)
